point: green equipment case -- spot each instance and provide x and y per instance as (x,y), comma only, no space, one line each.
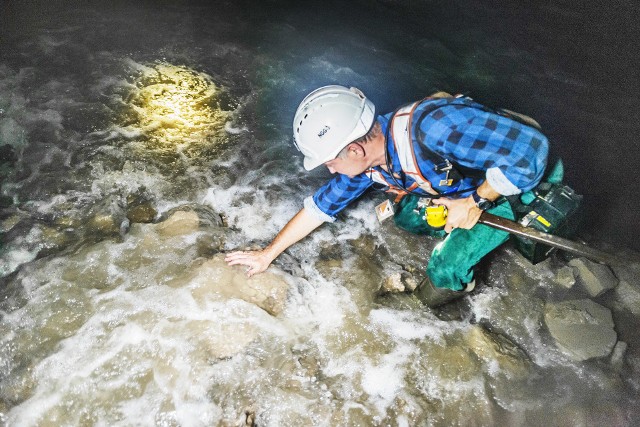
(554,209)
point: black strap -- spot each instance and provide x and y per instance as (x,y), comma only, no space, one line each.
(458,171)
(462,171)
(434,157)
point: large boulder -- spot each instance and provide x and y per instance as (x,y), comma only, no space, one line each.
(582,329)
(596,278)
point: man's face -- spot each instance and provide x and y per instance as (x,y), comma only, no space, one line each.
(354,163)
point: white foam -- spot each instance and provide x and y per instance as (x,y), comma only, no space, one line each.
(409,325)
(257,218)
(11,132)
(12,259)
(234,130)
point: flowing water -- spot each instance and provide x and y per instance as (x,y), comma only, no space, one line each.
(115,117)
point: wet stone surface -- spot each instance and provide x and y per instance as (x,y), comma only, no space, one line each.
(583,329)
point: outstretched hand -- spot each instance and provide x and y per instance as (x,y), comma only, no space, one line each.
(257,261)
(462,213)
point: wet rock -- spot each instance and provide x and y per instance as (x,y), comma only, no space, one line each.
(104,223)
(629,273)
(450,362)
(207,216)
(582,329)
(617,356)
(7,224)
(330,252)
(628,296)
(289,264)
(18,388)
(179,223)
(267,290)
(143,213)
(211,243)
(410,282)
(68,222)
(565,277)
(495,348)
(250,419)
(106,217)
(393,283)
(364,245)
(398,281)
(139,206)
(327,265)
(230,339)
(53,240)
(595,278)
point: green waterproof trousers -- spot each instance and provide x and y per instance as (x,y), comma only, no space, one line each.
(452,260)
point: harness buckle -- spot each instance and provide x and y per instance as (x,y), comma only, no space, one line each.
(446,166)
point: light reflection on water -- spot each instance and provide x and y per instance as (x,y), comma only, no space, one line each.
(176,110)
(174,104)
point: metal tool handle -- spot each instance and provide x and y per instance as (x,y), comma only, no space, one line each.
(551,240)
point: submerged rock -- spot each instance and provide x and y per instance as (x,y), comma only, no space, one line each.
(104,223)
(144,213)
(207,217)
(289,264)
(267,290)
(179,223)
(582,329)
(494,348)
(8,223)
(139,205)
(596,278)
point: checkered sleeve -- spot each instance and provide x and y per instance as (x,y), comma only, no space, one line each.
(335,195)
(513,155)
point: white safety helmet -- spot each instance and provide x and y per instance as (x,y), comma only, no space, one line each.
(328,119)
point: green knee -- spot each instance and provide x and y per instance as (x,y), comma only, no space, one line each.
(452,260)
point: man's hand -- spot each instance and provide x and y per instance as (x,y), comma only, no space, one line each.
(298,227)
(462,213)
(257,261)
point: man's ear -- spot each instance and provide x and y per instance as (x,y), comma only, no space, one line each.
(356,149)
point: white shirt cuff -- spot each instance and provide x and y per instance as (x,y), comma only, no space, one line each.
(500,183)
(311,206)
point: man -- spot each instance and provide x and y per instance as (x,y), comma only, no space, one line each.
(451,150)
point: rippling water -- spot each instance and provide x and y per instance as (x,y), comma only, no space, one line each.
(111,118)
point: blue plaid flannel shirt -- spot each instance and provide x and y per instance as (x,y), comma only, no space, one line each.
(513,155)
